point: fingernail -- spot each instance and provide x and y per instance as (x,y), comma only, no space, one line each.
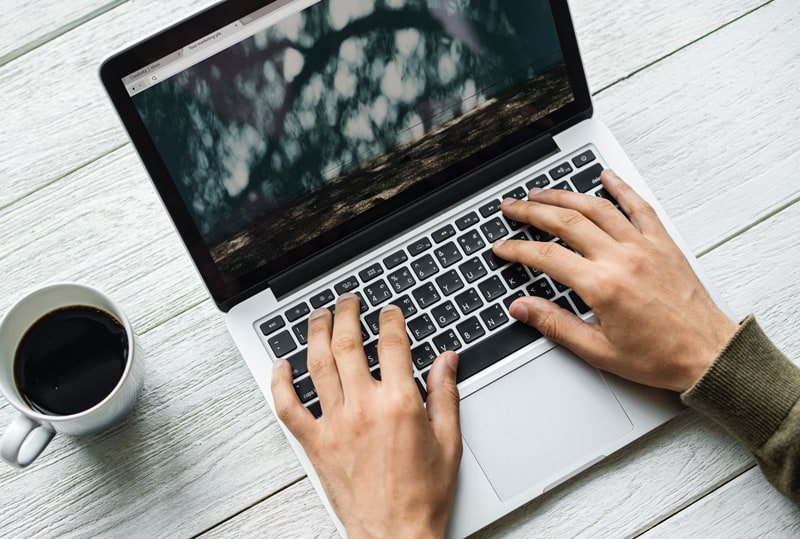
(519,312)
(390,307)
(508,201)
(498,243)
(611,174)
(276,365)
(318,313)
(451,360)
(535,191)
(346,295)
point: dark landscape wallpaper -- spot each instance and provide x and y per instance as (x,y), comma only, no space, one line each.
(297,129)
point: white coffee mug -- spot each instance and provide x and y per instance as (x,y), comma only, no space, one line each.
(31,431)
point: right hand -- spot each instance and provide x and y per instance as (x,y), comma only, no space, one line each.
(657,325)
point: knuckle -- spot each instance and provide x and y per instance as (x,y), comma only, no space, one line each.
(345,344)
(548,249)
(601,205)
(317,363)
(570,218)
(393,340)
(547,324)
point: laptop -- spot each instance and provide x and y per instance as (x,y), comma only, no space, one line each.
(307,148)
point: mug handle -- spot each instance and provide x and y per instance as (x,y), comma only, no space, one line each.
(24,440)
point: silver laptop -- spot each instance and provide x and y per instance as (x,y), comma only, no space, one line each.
(306,148)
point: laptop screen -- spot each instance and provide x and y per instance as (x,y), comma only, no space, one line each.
(297,124)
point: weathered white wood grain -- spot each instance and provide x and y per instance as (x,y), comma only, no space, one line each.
(719,119)
(31,23)
(746,507)
(50,129)
(200,446)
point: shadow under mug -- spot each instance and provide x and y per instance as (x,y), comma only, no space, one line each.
(31,431)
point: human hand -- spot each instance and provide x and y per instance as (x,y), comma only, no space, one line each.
(387,463)
(657,325)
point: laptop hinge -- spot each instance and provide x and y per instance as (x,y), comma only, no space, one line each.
(311,268)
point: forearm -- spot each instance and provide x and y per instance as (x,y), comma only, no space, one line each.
(753,391)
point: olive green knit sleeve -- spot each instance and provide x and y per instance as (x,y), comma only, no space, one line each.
(753,391)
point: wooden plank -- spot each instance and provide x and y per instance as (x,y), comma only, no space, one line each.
(748,506)
(31,23)
(721,125)
(49,131)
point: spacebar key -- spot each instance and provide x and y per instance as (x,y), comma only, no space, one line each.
(498,346)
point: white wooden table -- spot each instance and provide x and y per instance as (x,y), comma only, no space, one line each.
(702,93)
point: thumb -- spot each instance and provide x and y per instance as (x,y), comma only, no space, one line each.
(443,401)
(561,326)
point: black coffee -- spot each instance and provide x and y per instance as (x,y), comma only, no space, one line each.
(70,360)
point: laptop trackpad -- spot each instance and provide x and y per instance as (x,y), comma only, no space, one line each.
(540,422)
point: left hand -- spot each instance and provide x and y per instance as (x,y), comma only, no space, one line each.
(387,463)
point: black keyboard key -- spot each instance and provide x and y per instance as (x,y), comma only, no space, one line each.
(305,390)
(560,171)
(361,302)
(421,327)
(564,186)
(560,287)
(301,332)
(498,346)
(515,276)
(508,300)
(446,341)
(406,306)
(579,303)
(299,363)
(372,321)
(513,225)
(282,344)
(297,311)
(322,298)
(272,325)
(316,409)
(489,208)
(541,288)
(470,329)
(419,246)
(471,242)
(448,254)
(424,267)
(376,373)
(401,280)
(364,333)
(492,260)
(472,269)
(469,301)
(426,295)
(492,288)
(602,193)
(445,314)
(422,356)
(564,304)
(519,193)
(371,351)
(521,236)
(443,233)
(348,285)
(494,317)
(539,235)
(395,259)
(539,181)
(377,292)
(468,220)
(583,159)
(494,230)
(588,179)
(450,283)
(372,272)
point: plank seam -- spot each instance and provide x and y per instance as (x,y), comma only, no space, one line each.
(58,32)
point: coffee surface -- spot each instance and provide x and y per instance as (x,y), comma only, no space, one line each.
(70,360)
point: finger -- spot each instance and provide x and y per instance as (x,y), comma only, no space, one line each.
(598,210)
(394,349)
(558,262)
(347,346)
(288,408)
(563,327)
(321,364)
(443,402)
(641,214)
(568,224)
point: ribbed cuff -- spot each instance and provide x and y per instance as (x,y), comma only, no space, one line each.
(750,387)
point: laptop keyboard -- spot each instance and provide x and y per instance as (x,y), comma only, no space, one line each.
(453,291)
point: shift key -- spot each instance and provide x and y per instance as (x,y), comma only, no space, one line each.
(500,345)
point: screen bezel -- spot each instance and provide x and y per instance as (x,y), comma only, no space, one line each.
(227,292)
